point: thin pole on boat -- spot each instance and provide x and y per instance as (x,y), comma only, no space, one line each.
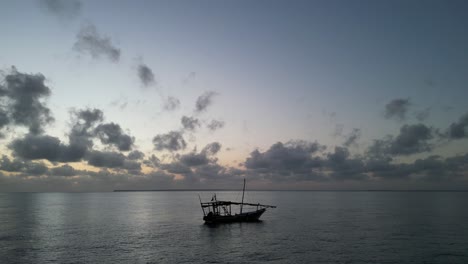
(242,203)
(201,205)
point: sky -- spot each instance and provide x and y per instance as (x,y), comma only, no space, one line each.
(291,95)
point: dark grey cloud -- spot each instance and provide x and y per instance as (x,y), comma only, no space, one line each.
(35,169)
(106,159)
(397,108)
(64,170)
(25,167)
(379,149)
(15,165)
(286,163)
(202,158)
(215,125)
(194,159)
(353,137)
(132,167)
(113,160)
(212,149)
(172,141)
(433,169)
(135,155)
(84,123)
(289,162)
(23,96)
(458,130)
(89,41)
(90,116)
(64,9)
(412,139)
(112,134)
(344,167)
(145,74)
(291,155)
(171,103)
(204,100)
(190,123)
(35,147)
(152,161)
(293,160)
(211,172)
(4,121)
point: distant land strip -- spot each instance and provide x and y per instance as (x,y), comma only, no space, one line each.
(263,190)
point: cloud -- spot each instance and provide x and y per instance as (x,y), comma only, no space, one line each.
(35,147)
(112,134)
(113,160)
(89,41)
(430,169)
(204,157)
(397,108)
(64,170)
(176,168)
(35,169)
(211,172)
(145,74)
(4,120)
(204,100)
(171,103)
(84,122)
(15,165)
(152,161)
(64,9)
(353,137)
(23,95)
(458,130)
(106,159)
(412,139)
(172,141)
(25,167)
(194,159)
(135,155)
(212,148)
(190,123)
(292,160)
(343,167)
(215,125)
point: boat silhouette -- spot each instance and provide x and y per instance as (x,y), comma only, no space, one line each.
(217,211)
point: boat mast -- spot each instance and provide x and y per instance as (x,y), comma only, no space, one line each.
(201,204)
(242,203)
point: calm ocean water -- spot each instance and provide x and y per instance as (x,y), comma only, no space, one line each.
(167,227)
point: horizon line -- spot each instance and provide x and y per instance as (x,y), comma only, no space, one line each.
(288,190)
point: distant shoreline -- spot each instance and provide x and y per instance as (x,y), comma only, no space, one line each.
(260,190)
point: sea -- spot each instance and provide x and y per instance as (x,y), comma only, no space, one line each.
(167,227)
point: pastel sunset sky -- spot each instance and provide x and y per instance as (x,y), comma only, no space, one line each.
(105,95)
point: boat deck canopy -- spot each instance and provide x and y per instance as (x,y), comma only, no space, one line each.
(224,203)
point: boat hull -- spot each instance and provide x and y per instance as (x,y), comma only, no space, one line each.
(244,217)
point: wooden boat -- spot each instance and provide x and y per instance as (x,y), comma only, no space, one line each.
(217,211)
